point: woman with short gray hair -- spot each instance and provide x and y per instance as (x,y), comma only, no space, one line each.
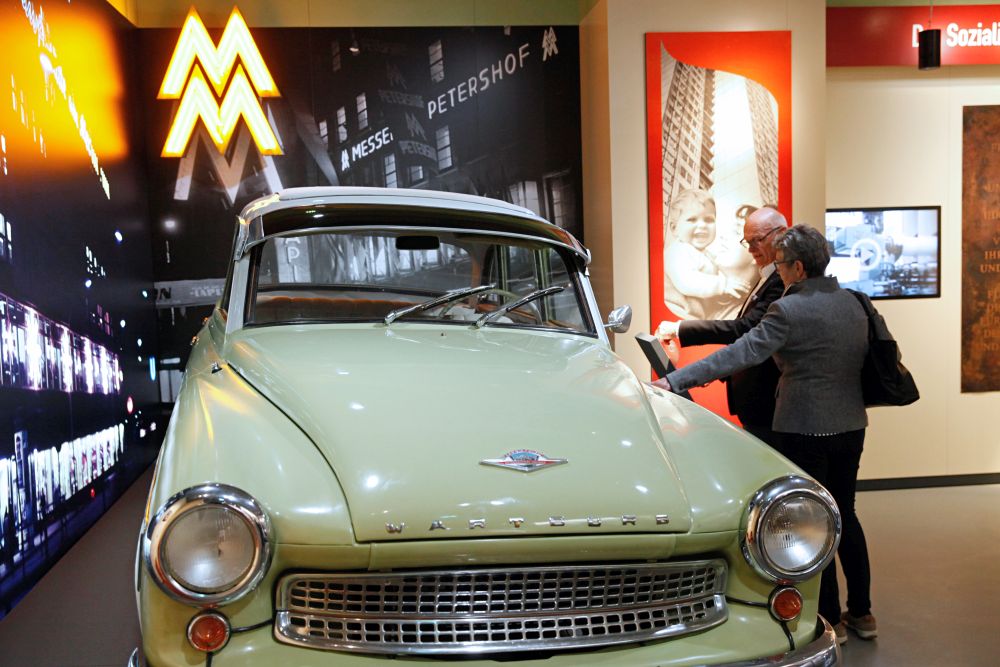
(807,245)
(818,336)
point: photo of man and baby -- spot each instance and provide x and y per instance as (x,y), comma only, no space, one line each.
(719,144)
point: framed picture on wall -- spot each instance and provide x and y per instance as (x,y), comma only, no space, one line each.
(887,253)
(718,146)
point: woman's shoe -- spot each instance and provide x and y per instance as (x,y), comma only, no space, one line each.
(863,626)
(841,631)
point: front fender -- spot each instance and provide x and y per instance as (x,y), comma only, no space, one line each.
(222,430)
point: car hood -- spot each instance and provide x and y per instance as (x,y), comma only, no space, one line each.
(404,415)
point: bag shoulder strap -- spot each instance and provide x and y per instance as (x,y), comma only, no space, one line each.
(877,328)
(865,302)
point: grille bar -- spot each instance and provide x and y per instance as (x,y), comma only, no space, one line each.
(481,611)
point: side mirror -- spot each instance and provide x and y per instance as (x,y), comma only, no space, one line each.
(619,319)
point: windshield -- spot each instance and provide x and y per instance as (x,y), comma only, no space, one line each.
(381,275)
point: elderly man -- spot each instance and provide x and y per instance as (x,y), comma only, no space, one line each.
(750,392)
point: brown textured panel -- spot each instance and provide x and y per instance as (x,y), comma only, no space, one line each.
(981,248)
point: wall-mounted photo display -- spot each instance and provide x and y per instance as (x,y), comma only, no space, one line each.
(887,253)
(718,124)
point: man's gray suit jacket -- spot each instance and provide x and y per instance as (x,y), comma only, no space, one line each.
(818,336)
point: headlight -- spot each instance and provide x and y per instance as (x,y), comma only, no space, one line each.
(208,545)
(791,529)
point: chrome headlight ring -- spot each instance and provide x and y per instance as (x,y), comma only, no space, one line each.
(243,507)
(776,495)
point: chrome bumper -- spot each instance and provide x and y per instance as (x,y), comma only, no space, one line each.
(820,652)
(136,659)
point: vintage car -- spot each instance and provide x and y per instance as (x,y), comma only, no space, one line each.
(403,435)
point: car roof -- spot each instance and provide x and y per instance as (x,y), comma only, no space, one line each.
(502,217)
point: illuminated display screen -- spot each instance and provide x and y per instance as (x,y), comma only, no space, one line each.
(887,253)
(40,354)
(76,331)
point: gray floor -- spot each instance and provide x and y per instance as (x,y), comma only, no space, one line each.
(935,578)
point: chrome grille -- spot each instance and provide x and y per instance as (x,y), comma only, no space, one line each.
(479,611)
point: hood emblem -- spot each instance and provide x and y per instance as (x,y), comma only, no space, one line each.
(525,460)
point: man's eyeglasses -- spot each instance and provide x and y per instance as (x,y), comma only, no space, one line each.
(746,243)
(783,261)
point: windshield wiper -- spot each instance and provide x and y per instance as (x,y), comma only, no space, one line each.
(485,319)
(447,297)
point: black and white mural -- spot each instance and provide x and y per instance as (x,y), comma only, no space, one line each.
(491,111)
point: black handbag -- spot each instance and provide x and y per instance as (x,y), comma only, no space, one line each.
(884,378)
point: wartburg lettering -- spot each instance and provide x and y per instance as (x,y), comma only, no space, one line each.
(551,522)
(196,64)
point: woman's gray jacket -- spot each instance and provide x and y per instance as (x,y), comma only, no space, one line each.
(818,336)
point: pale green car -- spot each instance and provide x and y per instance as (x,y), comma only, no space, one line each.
(403,437)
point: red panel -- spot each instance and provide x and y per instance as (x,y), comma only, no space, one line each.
(887,36)
(762,56)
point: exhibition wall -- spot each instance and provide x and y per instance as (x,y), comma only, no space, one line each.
(613,77)
(77,332)
(366,107)
(894,138)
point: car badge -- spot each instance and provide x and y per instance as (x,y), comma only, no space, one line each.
(525,460)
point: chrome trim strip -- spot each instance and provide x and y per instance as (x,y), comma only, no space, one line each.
(344,198)
(823,651)
(456,612)
(331,229)
(238,296)
(237,500)
(758,507)
(592,307)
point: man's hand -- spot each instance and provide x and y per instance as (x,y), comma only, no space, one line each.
(673,352)
(662,384)
(667,330)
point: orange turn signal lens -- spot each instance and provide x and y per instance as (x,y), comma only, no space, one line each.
(208,632)
(785,604)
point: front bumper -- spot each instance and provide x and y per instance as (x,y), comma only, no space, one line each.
(822,651)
